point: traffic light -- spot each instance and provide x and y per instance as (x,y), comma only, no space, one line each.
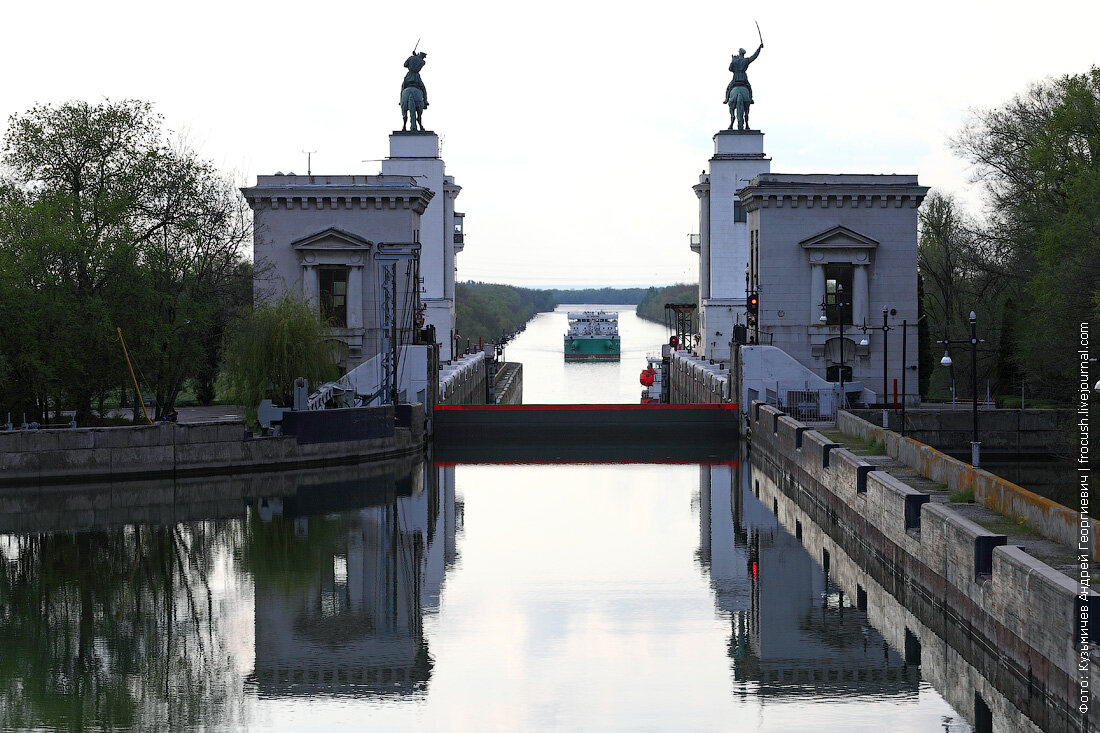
(752,308)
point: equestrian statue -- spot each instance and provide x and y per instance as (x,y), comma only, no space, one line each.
(414,97)
(739,91)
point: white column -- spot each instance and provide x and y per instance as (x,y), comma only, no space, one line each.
(355,297)
(311,287)
(817,292)
(704,245)
(859,294)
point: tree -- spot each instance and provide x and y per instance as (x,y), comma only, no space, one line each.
(105,224)
(279,341)
(1038,157)
(961,271)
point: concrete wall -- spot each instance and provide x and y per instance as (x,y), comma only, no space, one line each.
(1048,518)
(1001,596)
(102,504)
(509,384)
(1005,431)
(166,449)
(694,380)
(463,381)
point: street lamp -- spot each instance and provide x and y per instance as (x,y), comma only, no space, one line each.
(905,367)
(886,329)
(975,445)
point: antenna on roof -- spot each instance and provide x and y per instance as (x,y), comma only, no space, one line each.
(309,161)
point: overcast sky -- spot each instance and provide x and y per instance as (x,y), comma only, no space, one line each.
(576,129)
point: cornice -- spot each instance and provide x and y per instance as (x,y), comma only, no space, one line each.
(337,197)
(908,197)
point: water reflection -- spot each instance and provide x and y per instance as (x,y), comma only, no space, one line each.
(793,630)
(340,597)
(115,628)
(337,595)
(318,584)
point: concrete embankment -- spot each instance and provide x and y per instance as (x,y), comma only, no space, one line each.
(930,557)
(694,380)
(170,449)
(165,501)
(967,674)
(1046,517)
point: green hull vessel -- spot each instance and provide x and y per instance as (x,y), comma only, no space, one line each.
(591,349)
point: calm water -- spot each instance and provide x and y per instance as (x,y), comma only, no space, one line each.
(547,379)
(418,595)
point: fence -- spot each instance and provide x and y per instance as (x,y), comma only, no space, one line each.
(805,405)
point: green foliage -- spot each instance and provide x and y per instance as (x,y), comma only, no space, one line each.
(652,305)
(274,344)
(104,224)
(1039,158)
(485,311)
(600,296)
(963,496)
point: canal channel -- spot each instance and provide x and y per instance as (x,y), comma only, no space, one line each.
(523,594)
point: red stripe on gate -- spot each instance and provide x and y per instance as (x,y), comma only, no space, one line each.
(587,407)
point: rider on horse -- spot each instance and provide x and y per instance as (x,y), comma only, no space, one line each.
(414,64)
(739,65)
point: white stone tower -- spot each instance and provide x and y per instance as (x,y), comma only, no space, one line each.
(724,236)
(417,154)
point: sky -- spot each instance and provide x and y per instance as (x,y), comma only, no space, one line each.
(576,129)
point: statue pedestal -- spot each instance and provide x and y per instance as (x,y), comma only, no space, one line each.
(745,144)
(414,144)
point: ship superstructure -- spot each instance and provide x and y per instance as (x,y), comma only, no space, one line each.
(592,336)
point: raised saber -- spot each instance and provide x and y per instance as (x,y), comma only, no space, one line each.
(418,40)
(757,32)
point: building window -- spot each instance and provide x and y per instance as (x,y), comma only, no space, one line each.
(334,295)
(838,293)
(738,211)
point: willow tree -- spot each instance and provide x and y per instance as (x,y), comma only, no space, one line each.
(277,342)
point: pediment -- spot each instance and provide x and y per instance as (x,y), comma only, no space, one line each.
(839,237)
(330,239)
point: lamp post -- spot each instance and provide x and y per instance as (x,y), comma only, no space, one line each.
(975,444)
(905,367)
(886,329)
(840,321)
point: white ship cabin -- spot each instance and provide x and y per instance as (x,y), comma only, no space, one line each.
(593,323)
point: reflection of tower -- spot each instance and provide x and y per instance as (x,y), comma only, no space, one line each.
(441,534)
(340,608)
(792,631)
